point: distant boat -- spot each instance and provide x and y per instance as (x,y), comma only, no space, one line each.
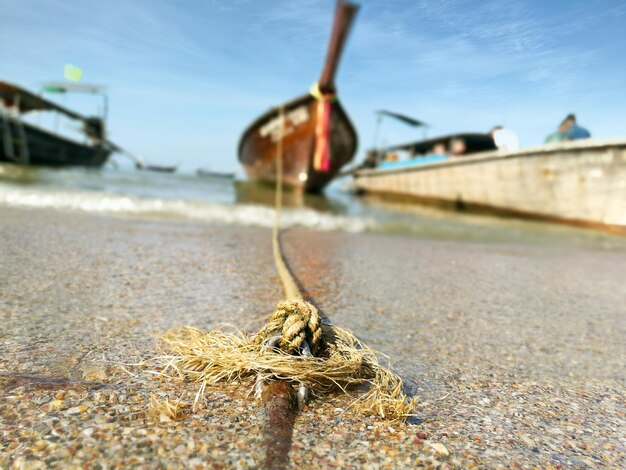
(215,174)
(25,143)
(158,168)
(318,136)
(579,182)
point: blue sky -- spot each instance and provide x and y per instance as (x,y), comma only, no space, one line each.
(184,78)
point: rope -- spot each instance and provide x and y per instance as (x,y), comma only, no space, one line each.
(296,319)
(290,286)
(216,356)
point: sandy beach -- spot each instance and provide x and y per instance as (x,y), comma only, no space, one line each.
(516,352)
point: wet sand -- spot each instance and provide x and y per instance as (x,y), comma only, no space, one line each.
(517,352)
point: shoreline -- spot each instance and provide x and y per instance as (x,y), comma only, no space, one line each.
(516,351)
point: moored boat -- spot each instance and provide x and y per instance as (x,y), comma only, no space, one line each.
(26,143)
(316,134)
(157,168)
(579,182)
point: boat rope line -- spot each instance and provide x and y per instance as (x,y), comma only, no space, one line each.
(297,320)
(290,286)
(295,348)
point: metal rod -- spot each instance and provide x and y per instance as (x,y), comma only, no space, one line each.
(279,414)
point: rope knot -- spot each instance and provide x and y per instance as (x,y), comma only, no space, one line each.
(297,321)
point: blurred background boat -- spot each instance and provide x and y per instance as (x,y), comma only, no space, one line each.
(316,134)
(158,168)
(579,182)
(26,143)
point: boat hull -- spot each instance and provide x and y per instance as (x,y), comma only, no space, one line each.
(48,149)
(581,183)
(259,145)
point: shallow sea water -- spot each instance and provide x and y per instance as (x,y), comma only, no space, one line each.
(187,196)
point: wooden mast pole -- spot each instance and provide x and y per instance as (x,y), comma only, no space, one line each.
(344,16)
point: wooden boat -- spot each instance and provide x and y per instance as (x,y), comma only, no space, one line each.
(579,182)
(318,137)
(157,168)
(25,143)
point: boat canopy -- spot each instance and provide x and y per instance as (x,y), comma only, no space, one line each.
(64,87)
(26,101)
(473,142)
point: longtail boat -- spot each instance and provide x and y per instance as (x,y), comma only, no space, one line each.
(157,168)
(27,143)
(317,135)
(581,182)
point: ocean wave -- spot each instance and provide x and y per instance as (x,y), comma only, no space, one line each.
(133,206)
(155,198)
